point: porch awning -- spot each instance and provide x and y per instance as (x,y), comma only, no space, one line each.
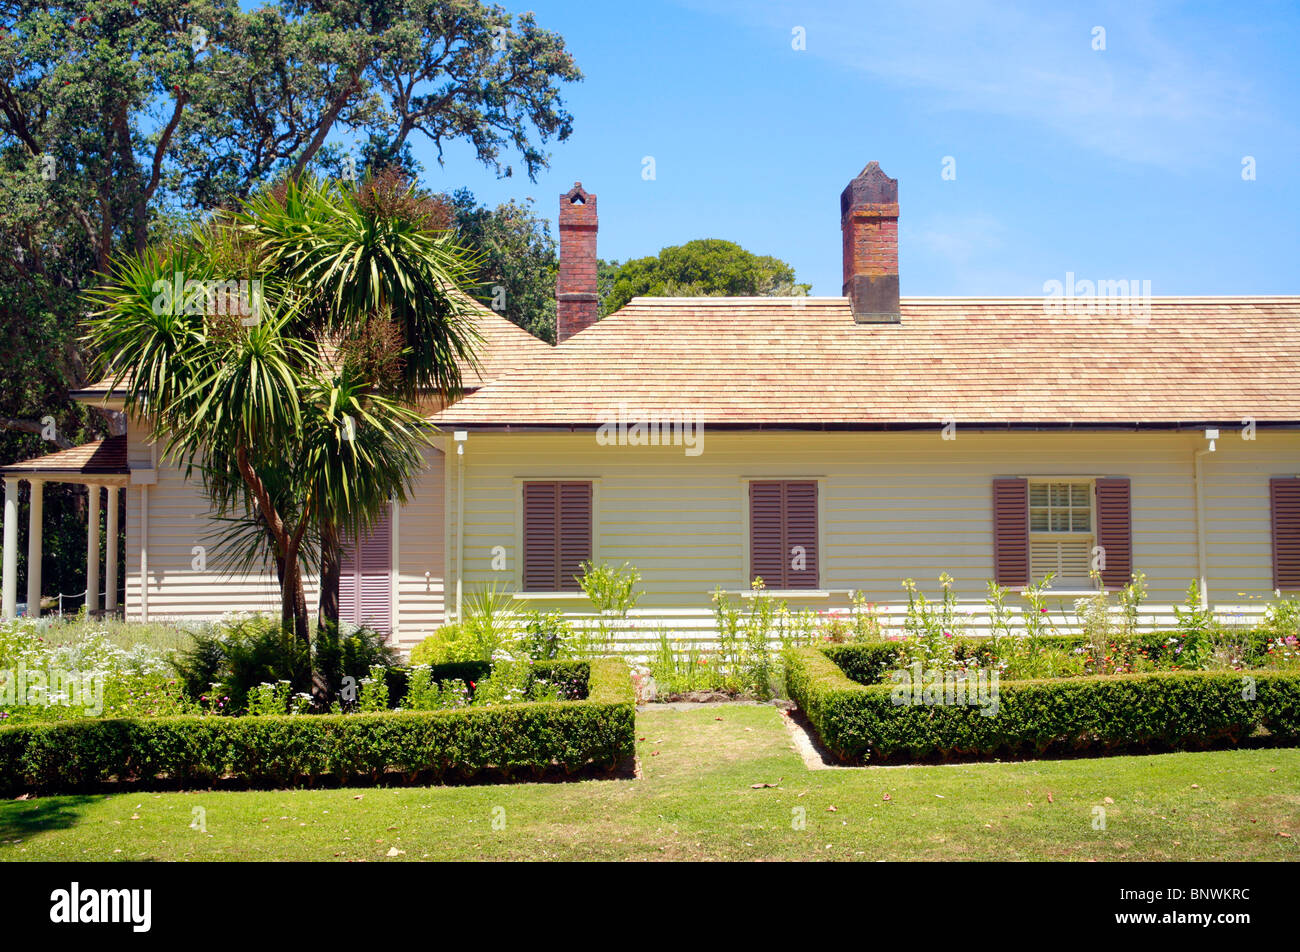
(105,457)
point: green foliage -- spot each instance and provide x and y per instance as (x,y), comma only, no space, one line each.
(279,751)
(1035,718)
(232,657)
(706,267)
(612,592)
(546,637)
(517,257)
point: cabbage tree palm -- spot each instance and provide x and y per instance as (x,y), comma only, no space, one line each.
(381,282)
(299,419)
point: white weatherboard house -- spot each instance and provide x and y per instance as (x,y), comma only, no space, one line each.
(827,445)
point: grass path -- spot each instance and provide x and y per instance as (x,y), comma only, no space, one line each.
(696,801)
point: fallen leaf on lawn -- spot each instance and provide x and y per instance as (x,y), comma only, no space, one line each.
(762,786)
(831,809)
(717,718)
(358,796)
(1108,800)
(1049,798)
(654,753)
(394,851)
(28,796)
(1196,786)
(1284,833)
(887,797)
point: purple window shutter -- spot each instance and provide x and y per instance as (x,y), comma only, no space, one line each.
(541,536)
(574,534)
(767,559)
(1284,503)
(800,534)
(366,586)
(557,535)
(1011,531)
(1115,530)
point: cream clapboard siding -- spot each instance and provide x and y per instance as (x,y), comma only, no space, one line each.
(421,546)
(178,521)
(892,506)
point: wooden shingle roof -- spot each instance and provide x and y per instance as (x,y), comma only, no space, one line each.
(978,361)
(105,457)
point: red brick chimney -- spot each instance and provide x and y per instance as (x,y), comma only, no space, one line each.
(576,302)
(869,221)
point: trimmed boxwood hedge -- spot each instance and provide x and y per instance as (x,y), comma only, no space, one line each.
(414,746)
(871,662)
(1159,711)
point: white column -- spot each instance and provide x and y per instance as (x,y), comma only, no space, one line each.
(92,551)
(110,564)
(9,599)
(34,525)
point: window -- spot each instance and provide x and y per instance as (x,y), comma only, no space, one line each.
(783,533)
(557,535)
(1061,532)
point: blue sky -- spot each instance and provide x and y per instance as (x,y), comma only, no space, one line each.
(1117,163)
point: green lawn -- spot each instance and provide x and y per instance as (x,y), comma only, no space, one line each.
(695,801)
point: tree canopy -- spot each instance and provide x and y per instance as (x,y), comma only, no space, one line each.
(707,267)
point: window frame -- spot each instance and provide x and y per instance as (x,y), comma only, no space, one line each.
(746,555)
(1062,535)
(521,540)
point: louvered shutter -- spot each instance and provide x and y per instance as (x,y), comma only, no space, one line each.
(541,536)
(1011,531)
(800,534)
(574,534)
(783,533)
(557,535)
(1284,501)
(766,538)
(366,577)
(1115,530)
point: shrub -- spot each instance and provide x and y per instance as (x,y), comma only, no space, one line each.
(1167,710)
(283,750)
(237,654)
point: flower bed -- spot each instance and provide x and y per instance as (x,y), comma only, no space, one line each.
(905,720)
(525,738)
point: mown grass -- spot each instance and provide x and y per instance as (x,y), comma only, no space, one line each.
(696,800)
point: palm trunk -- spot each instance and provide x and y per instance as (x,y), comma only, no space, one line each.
(331,575)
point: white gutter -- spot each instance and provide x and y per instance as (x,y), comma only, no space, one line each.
(460,436)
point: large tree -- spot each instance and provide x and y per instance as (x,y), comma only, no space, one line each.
(705,267)
(122,122)
(517,260)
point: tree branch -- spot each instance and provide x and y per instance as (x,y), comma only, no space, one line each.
(34,426)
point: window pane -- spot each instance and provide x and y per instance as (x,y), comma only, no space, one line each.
(1079,520)
(1079,494)
(1060,494)
(1060,520)
(1038,494)
(1038,520)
